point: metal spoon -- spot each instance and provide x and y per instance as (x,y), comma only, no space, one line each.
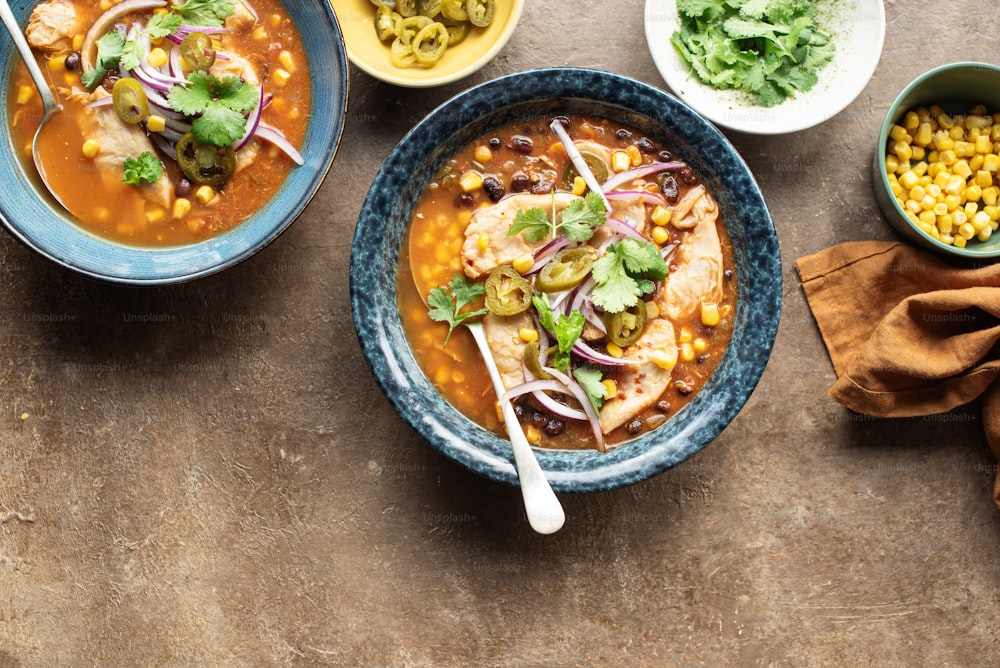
(545,513)
(50,106)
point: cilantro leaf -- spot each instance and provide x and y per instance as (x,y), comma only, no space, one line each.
(109,52)
(577,221)
(582,216)
(590,378)
(625,273)
(220,105)
(146,167)
(447,308)
(206,12)
(770,49)
(567,329)
(534,222)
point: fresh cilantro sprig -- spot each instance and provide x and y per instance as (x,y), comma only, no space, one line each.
(145,167)
(590,378)
(770,49)
(219,104)
(576,222)
(567,329)
(159,26)
(447,307)
(206,12)
(109,52)
(625,273)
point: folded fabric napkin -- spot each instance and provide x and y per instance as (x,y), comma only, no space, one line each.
(908,334)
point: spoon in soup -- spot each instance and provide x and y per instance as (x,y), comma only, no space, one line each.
(545,513)
(50,107)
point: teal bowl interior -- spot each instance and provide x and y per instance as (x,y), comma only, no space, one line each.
(33,217)
(385,216)
(956,88)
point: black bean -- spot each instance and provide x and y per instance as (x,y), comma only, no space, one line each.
(665,156)
(728,274)
(646,145)
(663,406)
(73,62)
(539,419)
(542,188)
(687,176)
(634,427)
(669,188)
(495,143)
(183,188)
(522,144)
(466,200)
(554,427)
(623,134)
(519,182)
(683,387)
(494,188)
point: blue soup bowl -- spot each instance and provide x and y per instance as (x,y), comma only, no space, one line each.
(31,215)
(386,212)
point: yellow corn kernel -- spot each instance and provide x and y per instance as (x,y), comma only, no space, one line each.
(157,57)
(182,207)
(614,349)
(945,223)
(917,192)
(980,221)
(700,345)
(652,310)
(527,334)
(483,153)
(891,164)
(959,242)
(948,156)
(990,195)
(898,133)
(685,335)
(664,359)
(927,217)
(610,388)
(483,243)
(660,235)
(275,20)
(25,94)
(966,231)
(911,120)
(156,123)
(532,433)
(955,185)
(579,185)
(286,60)
(985,233)
(155,214)
(973,193)
(471,181)
(522,264)
(924,134)
(991,162)
(205,194)
(620,161)
(687,351)
(983,144)
(956,132)
(77,42)
(908,179)
(91,148)
(661,215)
(976,162)
(961,168)
(280,76)
(634,155)
(984,179)
(902,150)
(919,153)
(992,211)
(259,33)
(710,314)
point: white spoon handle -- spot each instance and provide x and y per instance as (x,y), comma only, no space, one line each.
(545,513)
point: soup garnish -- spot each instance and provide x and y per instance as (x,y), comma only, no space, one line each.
(185,116)
(599,266)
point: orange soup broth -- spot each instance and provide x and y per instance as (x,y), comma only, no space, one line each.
(431,256)
(117,211)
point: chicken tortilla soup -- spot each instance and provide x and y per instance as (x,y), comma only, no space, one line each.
(181,120)
(599,266)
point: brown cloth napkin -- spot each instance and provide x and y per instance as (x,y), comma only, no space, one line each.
(908,334)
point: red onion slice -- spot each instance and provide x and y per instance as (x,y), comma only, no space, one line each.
(630,175)
(273,135)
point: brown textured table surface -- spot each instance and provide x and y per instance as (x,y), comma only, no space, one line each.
(208,475)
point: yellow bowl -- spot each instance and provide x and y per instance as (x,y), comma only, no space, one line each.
(357,21)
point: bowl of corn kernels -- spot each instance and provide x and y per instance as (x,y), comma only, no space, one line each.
(937,161)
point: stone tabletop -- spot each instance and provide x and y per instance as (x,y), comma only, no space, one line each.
(208,475)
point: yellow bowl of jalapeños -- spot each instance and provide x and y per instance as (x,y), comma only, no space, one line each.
(421,43)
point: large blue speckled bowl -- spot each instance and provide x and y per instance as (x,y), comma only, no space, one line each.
(32,216)
(386,212)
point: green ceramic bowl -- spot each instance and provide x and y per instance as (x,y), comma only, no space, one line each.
(956,88)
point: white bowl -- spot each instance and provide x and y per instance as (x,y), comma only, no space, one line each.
(858,30)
